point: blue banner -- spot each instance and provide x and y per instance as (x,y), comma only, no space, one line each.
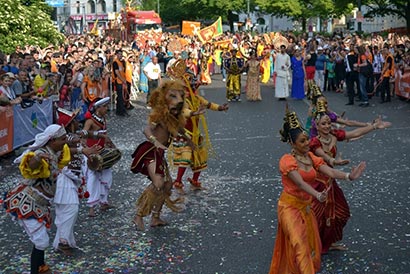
(30,121)
(55,3)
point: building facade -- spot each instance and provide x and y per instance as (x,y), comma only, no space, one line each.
(79,16)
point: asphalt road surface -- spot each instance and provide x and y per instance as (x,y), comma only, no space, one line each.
(230,227)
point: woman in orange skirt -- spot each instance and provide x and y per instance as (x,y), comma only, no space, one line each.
(297,247)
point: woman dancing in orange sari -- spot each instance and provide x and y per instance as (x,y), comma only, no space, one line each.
(297,247)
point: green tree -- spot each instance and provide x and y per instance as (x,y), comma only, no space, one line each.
(401,8)
(302,10)
(26,22)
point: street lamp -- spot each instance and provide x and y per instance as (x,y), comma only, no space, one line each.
(359,23)
(248,17)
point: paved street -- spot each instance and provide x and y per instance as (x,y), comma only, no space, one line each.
(230,227)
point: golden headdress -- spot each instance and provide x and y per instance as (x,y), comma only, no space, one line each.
(291,122)
(320,106)
(320,109)
(313,90)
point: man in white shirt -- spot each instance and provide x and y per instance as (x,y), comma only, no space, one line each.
(153,72)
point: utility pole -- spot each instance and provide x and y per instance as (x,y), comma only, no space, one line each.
(158,7)
(359,23)
(248,18)
(84,22)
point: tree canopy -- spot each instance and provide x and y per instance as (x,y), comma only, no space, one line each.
(400,8)
(26,22)
(303,9)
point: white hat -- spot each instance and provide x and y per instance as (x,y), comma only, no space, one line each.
(101,102)
(10,74)
(52,131)
(319,48)
(41,139)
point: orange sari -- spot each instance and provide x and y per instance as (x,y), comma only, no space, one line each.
(297,247)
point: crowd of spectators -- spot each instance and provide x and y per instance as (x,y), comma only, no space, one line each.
(85,67)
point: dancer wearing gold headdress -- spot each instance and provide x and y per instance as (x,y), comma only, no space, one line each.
(315,95)
(333,215)
(196,128)
(297,247)
(234,66)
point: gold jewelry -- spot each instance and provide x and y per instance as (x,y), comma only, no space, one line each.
(302,158)
(152,139)
(325,141)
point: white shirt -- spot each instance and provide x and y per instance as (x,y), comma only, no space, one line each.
(8,92)
(153,71)
(282,64)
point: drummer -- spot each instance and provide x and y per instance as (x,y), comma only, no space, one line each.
(98,181)
(69,187)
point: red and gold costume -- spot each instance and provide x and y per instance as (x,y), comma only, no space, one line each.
(101,123)
(297,247)
(333,214)
(153,198)
(144,155)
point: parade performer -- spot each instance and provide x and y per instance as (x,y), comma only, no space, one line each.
(333,215)
(99,179)
(253,88)
(70,185)
(165,122)
(183,154)
(205,75)
(297,247)
(315,96)
(234,66)
(29,202)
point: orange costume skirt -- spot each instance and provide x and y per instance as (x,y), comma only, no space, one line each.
(297,247)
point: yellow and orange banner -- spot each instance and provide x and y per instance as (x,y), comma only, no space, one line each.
(190,27)
(210,32)
(223,43)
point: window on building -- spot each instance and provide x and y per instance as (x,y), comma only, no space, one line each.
(77,5)
(260,21)
(103,6)
(92,6)
(114,6)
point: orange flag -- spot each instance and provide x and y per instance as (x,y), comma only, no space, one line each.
(190,27)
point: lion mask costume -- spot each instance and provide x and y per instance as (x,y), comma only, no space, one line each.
(167,103)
